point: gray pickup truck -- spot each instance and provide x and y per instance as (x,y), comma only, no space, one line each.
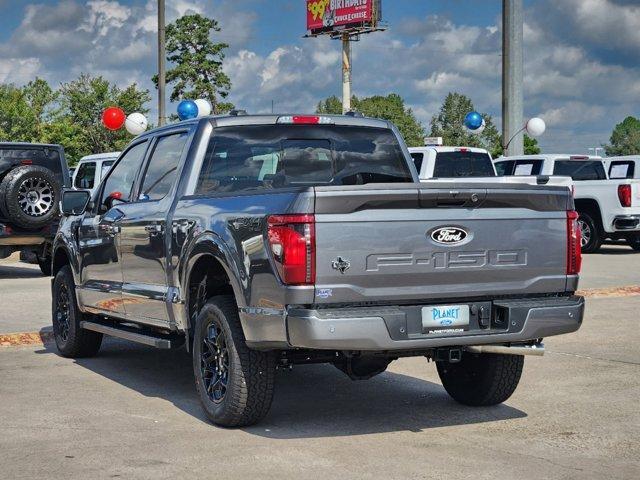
(260,242)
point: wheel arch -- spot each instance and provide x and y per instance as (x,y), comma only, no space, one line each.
(592,208)
(210,258)
(60,258)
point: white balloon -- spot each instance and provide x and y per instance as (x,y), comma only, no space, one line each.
(136,123)
(204,107)
(478,130)
(536,127)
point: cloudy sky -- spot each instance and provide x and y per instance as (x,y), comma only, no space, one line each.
(582,70)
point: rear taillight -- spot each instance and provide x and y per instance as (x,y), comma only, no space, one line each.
(574,247)
(292,239)
(624,194)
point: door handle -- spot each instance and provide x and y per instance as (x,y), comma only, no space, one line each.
(110,229)
(182,226)
(153,229)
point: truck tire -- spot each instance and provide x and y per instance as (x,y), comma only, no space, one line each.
(481,380)
(29,196)
(634,242)
(234,383)
(71,340)
(591,236)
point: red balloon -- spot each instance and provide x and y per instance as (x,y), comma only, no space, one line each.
(113,118)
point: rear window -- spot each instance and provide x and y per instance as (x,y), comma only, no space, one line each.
(260,157)
(463,164)
(44,157)
(580,169)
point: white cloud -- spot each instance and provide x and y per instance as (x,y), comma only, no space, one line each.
(581,69)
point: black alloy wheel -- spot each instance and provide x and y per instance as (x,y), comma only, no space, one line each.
(214,363)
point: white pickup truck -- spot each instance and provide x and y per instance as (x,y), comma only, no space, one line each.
(608,208)
(92,169)
(474,165)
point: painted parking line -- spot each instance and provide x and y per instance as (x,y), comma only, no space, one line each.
(25,338)
(46,335)
(628,291)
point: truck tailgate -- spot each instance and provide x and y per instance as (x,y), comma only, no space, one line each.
(387,243)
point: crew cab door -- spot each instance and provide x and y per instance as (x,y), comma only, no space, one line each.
(143,233)
(100,287)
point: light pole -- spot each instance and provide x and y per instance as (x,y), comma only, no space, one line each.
(161,63)
(346,73)
(512,76)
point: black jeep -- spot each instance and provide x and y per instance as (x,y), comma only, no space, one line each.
(31,180)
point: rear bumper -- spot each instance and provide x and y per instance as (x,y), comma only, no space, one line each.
(394,328)
(626,222)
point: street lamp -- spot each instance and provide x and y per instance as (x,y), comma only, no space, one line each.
(535,127)
(595,150)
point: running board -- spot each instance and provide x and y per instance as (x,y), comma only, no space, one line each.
(536,350)
(157,342)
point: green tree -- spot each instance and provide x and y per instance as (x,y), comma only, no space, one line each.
(391,107)
(83,101)
(197,62)
(449,124)
(42,100)
(625,139)
(18,122)
(330,106)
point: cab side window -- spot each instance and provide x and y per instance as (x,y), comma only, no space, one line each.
(162,167)
(418,158)
(85,178)
(621,169)
(504,168)
(122,177)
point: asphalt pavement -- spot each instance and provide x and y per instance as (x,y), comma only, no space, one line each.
(132,411)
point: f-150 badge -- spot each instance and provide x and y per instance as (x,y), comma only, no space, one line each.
(341,265)
(449,235)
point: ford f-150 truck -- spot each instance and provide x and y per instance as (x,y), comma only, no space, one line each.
(260,242)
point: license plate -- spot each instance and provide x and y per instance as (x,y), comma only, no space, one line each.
(445,318)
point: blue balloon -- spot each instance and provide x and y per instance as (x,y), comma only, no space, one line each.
(473,121)
(187,109)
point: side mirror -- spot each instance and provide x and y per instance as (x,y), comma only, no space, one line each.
(114,198)
(74,202)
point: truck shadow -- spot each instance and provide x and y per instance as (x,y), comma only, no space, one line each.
(311,401)
(14,270)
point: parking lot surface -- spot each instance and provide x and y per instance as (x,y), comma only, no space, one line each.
(132,412)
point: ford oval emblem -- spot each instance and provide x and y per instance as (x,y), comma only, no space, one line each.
(449,235)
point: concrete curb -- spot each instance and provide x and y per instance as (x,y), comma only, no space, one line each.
(45,335)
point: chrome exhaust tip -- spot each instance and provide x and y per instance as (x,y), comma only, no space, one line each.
(533,350)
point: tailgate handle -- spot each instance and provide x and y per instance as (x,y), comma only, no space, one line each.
(456,198)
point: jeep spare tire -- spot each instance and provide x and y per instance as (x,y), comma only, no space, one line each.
(29,196)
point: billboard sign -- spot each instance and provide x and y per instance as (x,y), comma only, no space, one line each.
(326,16)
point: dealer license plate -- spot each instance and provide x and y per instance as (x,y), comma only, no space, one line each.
(445,318)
